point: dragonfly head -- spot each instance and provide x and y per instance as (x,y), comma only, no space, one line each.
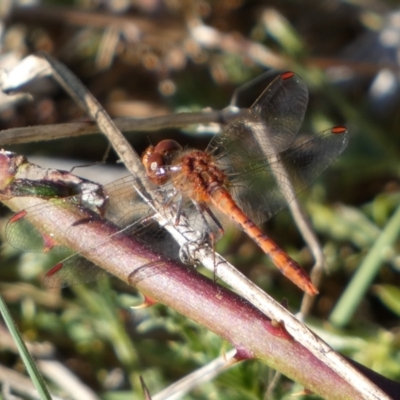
(156,158)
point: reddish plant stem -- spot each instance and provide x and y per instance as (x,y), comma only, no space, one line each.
(252,333)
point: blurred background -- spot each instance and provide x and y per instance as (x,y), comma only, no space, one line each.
(145,58)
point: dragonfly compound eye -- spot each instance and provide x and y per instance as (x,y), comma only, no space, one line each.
(155,168)
(167,147)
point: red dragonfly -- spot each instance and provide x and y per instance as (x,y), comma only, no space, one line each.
(248,172)
(239,170)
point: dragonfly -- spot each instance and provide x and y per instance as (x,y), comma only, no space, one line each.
(248,172)
(249,178)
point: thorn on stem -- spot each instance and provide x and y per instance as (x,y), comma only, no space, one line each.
(147,302)
(278,329)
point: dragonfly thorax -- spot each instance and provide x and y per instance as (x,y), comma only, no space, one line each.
(196,173)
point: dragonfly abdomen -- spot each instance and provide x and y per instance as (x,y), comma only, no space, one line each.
(224,202)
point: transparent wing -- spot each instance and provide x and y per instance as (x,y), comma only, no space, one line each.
(269,183)
(281,107)
(72,271)
(21,234)
(123,209)
(266,166)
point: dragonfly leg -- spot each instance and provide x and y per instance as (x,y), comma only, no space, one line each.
(209,235)
(214,219)
(185,253)
(202,208)
(178,211)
